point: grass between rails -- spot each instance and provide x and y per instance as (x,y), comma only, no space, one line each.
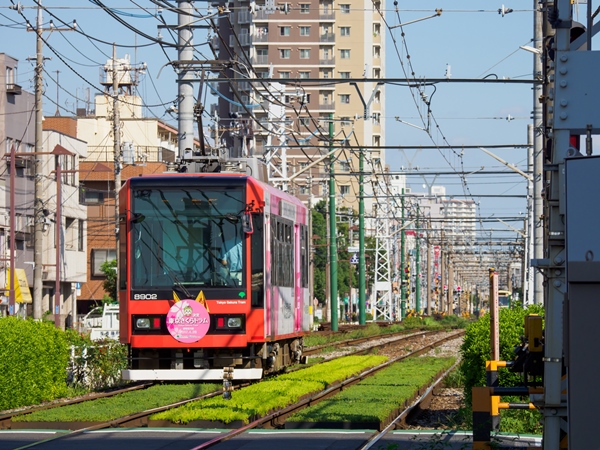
(260,399)
(375,398)
(110,408)
(409,323)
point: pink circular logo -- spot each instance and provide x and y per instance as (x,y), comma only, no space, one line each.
(188,321)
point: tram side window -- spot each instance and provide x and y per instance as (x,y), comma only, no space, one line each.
(304,256)
(282,253)
(257,244)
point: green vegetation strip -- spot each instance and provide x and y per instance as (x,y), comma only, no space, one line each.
(374,398)
(121,405)
(259,399)
(409,323)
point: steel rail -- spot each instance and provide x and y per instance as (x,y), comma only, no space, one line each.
(277,417)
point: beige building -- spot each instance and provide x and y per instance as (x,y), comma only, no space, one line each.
(70,254)
(284,55)
(146,144)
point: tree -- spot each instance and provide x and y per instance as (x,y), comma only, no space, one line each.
(109,269)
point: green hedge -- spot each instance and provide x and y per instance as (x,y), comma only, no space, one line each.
(476,351)
(33,361)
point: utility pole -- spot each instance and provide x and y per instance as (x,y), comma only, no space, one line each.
(333,284)
(428,269)
(38,206)
(537,294)
(450,303)
(362,269)
(185,50)
(403,281)
(117,158)
(417,266)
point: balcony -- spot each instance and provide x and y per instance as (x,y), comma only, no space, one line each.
(260,59)
(327,16)
(327,37)
(326,106)
(260,37)
(244,16)
(12,88)
(327,61)
(261,16)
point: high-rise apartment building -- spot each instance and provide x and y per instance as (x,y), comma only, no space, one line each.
(296,68)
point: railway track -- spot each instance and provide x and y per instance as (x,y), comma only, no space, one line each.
(273,421)
(6,418)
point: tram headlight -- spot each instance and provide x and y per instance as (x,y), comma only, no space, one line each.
(143,323)
(234,322)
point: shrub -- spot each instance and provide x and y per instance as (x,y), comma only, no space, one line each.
(97,364)
(33,359)
(476,351)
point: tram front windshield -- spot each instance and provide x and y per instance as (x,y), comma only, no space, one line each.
(187,236)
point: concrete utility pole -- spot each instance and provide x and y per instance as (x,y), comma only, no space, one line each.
(38,205)
(417,266)
(117,157)
(185,78)
(537,296)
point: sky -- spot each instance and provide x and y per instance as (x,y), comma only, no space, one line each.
(469,40)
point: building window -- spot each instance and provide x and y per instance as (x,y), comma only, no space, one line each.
(344,31)
(376,51)
(376,73)
(345,9)
(376,29)
(80,235)
(304,121)
(345,75)
(304,8)
(284,53)
(304,189)
(344,189)
(376,141)
(284,74)
(378,97)
(303,74)
(304,53)
(344,166)
(304,31)
(345,121)
(10,76)
(70,233)
(99,257)
(345,53)
(345,98)
(284,31)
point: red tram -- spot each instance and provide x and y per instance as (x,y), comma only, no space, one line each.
(213,275)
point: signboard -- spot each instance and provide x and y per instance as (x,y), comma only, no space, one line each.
(22,292)
(188,321)
(354,259)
